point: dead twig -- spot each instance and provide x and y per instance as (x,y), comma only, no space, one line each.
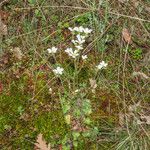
(4,1)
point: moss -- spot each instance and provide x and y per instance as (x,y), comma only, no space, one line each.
(10,121)
(52,125)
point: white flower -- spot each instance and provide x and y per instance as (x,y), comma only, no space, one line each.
(102,65)
(80,29)
(84,57)
(87,30)
(75,54)
(80,40)
(76,91)
(52,50)
(76,29)
(80,37)
(72,53)
(69,50)
(73,41)
(58,71)
(50,90)
(71,29)
(79,47)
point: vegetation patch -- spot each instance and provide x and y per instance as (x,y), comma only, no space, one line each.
(74,75)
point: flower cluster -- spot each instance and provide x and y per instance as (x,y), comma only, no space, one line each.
(82,33)
(80,37)
(81,29)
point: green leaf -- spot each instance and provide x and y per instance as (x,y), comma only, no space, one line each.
(87,121)
(77,113)
(66,108)
(20,110)
(75,135)
(37,13)
(68,119)
(86,134)
(32,1)
(75,143)
(87,107)
(66,147)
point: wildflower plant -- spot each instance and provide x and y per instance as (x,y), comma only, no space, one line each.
(76,106)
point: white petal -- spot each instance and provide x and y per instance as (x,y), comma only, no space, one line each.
(49,50)
(81,29)
(84,57)
(76,29)
(102,65)
(52,50)
(58,71)
(70,29)
(79,47)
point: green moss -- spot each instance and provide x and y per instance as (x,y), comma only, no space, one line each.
(51,124)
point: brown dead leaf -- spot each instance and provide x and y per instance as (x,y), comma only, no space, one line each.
(135,3)
(41,143)
(4,60)
(3,27)
(133,108)
(147,119)
(93,84)
(141,74)
(25,117)
(17,53)
(126,35)
(4,16)
(122,1)
(121,119)
(144,120)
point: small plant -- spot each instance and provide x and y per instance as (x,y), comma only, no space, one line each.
(84,19)
(20,110)
(136,54)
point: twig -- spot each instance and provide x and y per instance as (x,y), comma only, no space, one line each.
(89,9)
(1,3)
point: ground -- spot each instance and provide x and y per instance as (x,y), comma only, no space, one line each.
(119,95)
